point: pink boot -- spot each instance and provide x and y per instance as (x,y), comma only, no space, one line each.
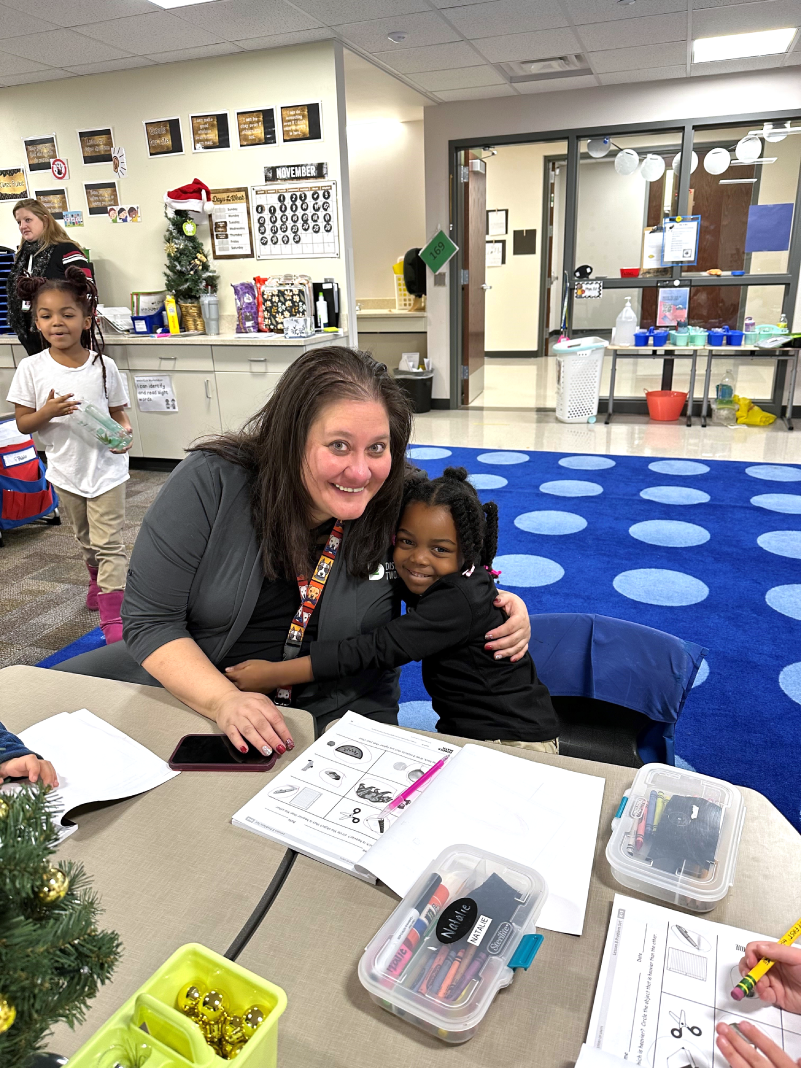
(94,589)
(110,621)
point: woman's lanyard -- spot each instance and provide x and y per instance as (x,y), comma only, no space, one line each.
(310,593)
(26,304)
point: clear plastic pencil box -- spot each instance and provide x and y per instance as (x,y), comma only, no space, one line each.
(457,938)
(676,835)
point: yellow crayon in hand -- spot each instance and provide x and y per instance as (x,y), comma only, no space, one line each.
(748,982)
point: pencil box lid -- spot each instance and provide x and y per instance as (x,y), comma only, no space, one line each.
(455,940)
(676,836)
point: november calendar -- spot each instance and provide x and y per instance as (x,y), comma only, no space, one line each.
(296,220)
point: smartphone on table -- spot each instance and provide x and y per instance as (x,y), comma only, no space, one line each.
(216,752)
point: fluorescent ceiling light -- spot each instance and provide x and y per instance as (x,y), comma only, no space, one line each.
(743,45)
(180,3)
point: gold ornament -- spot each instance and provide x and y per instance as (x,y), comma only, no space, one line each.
(170,248)
(3,809)
(233,1033)
(212,1032)
(8,1015)
(253,1018)
(189,997)
(229,1050)
(212,1006)
(56,884)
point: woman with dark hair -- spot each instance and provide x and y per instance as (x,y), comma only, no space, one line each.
(45,251)
(263,540)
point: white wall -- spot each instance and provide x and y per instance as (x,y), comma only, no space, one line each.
(131,257)
(606,106)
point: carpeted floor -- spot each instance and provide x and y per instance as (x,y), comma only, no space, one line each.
(710,552)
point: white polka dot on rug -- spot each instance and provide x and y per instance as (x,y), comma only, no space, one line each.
(678,467)
(790,681)
(656,585)
(487,481)
(571,487)
(703,674)
(788,503)
(785,599)
(670,533)
(674,495)
(545,522)
(587,463)
(521,570)
(426,452)
(502,458)
(774,473)
(781,543)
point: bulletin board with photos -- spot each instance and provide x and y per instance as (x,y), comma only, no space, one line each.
(296,220)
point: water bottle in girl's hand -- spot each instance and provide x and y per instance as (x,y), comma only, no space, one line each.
(101,426)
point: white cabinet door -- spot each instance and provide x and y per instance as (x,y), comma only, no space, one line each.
(167,434)
(242,393)
(6,374)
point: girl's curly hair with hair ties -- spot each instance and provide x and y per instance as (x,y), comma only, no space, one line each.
(476,523)
(84,292)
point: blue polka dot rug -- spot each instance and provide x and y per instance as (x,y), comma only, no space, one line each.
(708,551)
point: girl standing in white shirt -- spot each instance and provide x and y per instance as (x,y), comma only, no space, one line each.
(47,388)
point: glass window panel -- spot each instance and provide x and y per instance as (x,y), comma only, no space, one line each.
(712,306)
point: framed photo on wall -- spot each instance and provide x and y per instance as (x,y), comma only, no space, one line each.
(497,222)
(39,151)
(96,145)
(256,127)
(13,183)
(55,200)
(164,137)
(301,122)
(100,196)
(210,131)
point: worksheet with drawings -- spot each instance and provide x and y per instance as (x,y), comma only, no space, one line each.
(296,220)
(665,983)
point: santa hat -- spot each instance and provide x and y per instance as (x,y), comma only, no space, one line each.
(194,197)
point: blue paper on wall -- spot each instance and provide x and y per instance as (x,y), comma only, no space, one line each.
(768,227)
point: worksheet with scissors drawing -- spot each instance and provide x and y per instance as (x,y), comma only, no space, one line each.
(665,983)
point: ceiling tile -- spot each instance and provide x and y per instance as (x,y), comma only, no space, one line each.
(506,16)
(225,48)
(61,46)
(443,57)
(15,23)
(14,65)
(734,66)
(79,12)
(40,76)
(528,45)
(282,40)
(452,3)
(651,30)
(652,74)
(337,12)
(112,65)
(145,34)
(423,29)
(553,85)
(614,59)
(793,59)
(582,11)
(236,20)
(467,78)
(480,93)
(744,18)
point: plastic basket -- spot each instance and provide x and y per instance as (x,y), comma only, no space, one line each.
(403,298)
(578,378)
(175,1041)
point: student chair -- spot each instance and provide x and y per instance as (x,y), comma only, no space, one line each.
(617,687)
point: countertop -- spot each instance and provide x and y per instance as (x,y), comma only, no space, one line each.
(274,341)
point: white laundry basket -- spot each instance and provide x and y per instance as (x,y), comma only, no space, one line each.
(578,378)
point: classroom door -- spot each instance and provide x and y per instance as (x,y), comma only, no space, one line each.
(474,284)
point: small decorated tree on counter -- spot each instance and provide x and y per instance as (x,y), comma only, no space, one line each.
(188,274)
(52,955)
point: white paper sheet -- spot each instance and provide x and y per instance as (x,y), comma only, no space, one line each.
(589,1057)
(665,983)
(155,393)
(94,761)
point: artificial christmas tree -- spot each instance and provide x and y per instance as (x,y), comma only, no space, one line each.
(188,273)
(52,955)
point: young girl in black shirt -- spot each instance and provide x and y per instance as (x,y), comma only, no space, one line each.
(444,547)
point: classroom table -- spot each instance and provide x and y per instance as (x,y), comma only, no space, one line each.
(731,352)
(311,940)
(667,354)
(167,865)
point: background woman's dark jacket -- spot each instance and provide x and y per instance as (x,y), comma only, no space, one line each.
(51,261)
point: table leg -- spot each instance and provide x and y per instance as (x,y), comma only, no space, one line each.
(667,374)
(707,379)
(692,390)
(611,402)
(788,418)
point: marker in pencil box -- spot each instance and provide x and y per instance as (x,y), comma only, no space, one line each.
(409,921)
(405,951)
(747,985)
(650,813)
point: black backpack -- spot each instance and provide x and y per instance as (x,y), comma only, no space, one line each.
(414,273)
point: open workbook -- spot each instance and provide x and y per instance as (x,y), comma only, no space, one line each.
(328,804)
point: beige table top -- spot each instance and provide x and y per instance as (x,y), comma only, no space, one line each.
(168,866)
(311,940)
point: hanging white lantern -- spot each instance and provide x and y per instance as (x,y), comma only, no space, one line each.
(774,134)
(627,161)
(599,146)
(717,160)
(677,162)
(748,149)
(652,167)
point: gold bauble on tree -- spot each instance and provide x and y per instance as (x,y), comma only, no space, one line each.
(56,885)
(8,1015)
(3,809)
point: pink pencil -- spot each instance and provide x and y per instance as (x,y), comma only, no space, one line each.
(407,793)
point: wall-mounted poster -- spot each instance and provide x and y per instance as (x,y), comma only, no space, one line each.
(496,253)
(100,196)
(295,172)
(164,137)
(297,220)
(13,184)
(497,222)
(73,218)
(39,151)
(256,127)
(55,200)
(301,122)
(96,145)
(672,306)
(231,231)
(210,132)
(125,213)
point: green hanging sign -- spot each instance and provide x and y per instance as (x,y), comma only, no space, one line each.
(438,251)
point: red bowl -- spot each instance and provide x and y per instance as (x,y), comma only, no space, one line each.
(629,272)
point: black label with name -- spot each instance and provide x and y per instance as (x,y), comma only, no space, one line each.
(457,920)
(295,172)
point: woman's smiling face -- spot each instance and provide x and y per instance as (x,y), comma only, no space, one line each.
(347,459)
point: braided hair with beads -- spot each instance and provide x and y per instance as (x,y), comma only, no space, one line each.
(84,292)
(476,523)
